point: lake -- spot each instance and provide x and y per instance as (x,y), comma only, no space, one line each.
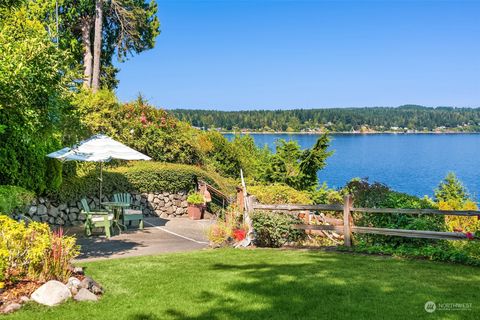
(411,163)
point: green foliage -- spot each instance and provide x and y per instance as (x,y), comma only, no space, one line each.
(442,251)
(295,167)
(279,194)
(196,198)
(253,160)
(377,195)
(338,119)
(273,229)
(324,195)
(33,251)
(141,177)
(222,155)
(35,78)
(451,189)
(12,197)
(139,125)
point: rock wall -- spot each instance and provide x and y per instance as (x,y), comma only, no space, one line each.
(162,204)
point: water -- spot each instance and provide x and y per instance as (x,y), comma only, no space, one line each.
(411,163)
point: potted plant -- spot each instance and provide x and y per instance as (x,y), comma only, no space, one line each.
(196,204)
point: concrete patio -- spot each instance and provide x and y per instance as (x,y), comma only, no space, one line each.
(158,236)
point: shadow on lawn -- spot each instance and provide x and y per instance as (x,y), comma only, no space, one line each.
(327,288)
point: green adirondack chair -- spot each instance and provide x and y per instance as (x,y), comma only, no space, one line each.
(134,213)
(97,219)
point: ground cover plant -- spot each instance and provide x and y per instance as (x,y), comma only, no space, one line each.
(270,284)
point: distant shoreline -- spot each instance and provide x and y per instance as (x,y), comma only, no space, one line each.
(345,133)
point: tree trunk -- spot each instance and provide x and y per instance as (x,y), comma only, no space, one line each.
(97,45)
(87,53)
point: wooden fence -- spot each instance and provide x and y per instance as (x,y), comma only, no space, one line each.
(348,227)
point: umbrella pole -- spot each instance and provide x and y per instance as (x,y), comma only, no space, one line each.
(101,180)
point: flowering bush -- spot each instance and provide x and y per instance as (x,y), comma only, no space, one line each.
(33,252)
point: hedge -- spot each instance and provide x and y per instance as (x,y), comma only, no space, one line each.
(279,194)
(142,177)
(12,197)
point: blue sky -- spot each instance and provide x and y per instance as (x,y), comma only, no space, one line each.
(269,54)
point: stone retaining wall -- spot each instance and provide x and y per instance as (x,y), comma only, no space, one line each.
(162,204)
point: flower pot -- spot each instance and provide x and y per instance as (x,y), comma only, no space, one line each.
(195,211)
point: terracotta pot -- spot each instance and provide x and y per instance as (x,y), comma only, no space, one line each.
(195,211)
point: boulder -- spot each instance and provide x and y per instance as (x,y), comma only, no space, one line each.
(51,293)
(78,270)
(41,210)
(150,197)
(164,215)
(74,284)
(32,210)
(53,211)
(85,295)
(90,284)
(11,307)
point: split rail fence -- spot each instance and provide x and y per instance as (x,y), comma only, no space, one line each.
(348,227)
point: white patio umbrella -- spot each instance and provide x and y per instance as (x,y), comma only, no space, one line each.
(98,148)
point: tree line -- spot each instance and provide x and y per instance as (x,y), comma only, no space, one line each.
(383,119)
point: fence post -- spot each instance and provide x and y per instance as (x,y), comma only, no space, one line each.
(347,232)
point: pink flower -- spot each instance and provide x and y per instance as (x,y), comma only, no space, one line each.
(143,119)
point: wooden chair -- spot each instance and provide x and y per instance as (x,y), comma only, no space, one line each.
(129,214)
(97,219)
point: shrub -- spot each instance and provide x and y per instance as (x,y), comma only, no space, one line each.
(377,195)
(196,198)
(273,229)
(33,252)
(220,233)
(140,176)
(12,197)
(279,194)
(324,195)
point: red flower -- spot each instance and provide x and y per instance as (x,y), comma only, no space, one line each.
(143,119)
(239,234)
(469,235)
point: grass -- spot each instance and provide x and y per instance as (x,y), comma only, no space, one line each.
(270,284)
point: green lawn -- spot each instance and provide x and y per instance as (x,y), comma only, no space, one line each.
(270,284)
